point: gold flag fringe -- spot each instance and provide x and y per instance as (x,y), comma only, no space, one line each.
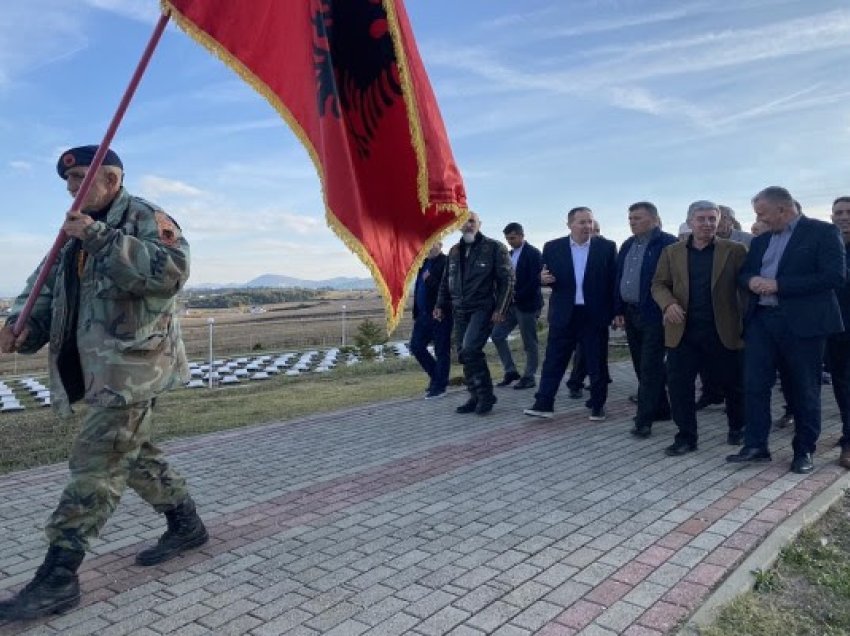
(393,314)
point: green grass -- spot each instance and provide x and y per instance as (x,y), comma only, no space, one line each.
(36,436)
(807,593)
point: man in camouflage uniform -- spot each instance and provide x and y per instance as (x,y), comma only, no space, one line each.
(107,311)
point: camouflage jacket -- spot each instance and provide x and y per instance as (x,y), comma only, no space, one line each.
(130,265)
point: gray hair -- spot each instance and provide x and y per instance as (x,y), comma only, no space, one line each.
(696,206)
(725,210)
(776,195)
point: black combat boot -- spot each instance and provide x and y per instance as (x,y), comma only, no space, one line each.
(185,531)
(55,588)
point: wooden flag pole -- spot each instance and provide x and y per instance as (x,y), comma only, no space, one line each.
(61,238)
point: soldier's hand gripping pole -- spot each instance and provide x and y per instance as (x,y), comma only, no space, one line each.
(53,254)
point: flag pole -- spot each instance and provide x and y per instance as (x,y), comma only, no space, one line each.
(85,186)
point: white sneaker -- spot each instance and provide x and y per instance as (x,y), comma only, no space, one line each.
(539,413)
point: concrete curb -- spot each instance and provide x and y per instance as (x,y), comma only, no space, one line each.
(764,556)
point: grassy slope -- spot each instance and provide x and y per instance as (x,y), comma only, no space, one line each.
(806,594)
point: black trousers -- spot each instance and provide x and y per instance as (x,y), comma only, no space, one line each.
(579,370)
(562,341)
(769,344)
(702,352)
(838,364)
(646,346)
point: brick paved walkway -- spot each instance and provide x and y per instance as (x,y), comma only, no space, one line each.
(404,518)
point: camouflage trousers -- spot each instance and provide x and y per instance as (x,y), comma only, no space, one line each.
(112,451)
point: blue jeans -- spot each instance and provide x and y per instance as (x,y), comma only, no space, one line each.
(425,331)
(527,322)
(769,343)
(472,329)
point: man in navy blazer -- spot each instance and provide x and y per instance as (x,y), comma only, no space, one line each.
(580,269)
(791,272)
(524,310)
(637,312)
(426,329)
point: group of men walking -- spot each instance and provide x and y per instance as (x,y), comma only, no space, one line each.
(732,311)
(689,307)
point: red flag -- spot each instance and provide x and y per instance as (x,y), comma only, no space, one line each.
(347,77)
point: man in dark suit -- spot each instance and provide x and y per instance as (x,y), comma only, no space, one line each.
(580,269)
(426,329)
(636,311)
(838,345)
(791,272)
(696,287)
(523,312)
(578,373)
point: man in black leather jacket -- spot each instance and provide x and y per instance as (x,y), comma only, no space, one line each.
(478,285)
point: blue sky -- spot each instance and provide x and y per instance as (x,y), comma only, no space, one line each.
(549,105)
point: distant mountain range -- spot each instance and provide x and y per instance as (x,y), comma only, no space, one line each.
(278,281)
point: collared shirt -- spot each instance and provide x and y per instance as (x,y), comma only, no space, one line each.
(515,255)
(772,256)
(580,252)
(630,282)
(700,265)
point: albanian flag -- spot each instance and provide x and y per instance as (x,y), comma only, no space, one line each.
(347,77)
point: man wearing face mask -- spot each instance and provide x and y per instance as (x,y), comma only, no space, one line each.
(477,286)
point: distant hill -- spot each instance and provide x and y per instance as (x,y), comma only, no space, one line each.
(280,281)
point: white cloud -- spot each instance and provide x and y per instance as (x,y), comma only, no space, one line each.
(204,219)
(722,49)
(23,166)
(623,22)
(34,34)
(153,187)
(619,80)
(20,253)
(141,10)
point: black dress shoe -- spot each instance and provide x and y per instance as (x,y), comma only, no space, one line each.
(802,464)
(468,407)
(642,431)
(525,383)
(749,454)
(485,405)
(706,400)
(680,448)
(576,394)
(510,376)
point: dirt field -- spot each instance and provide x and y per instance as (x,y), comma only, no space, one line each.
(287,326)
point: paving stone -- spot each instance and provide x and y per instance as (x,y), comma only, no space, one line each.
(536,615)
(442,622)
(493,616)
(402,518)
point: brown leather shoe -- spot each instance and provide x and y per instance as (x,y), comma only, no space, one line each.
(844,458)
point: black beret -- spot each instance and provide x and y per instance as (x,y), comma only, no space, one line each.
(82,156)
